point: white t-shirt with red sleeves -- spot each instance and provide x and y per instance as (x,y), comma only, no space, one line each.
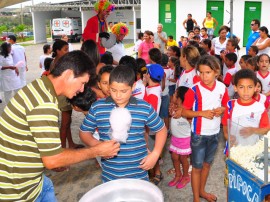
(242,115)
(265,81)
(167,75)
(262,99)
(171,77)
(139,89)
(188,78)
(153,96)
(227,79)
(199,98)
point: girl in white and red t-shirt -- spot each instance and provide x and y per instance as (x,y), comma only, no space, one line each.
(258,96)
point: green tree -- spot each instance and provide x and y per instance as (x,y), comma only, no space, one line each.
(19,28)
(3,28)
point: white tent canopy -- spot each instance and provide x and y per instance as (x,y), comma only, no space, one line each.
(5,3)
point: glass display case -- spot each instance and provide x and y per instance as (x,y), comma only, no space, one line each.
(248,164)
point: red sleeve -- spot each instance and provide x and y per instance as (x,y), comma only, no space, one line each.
(227,79)
(152,100)
(225,98)
(266,103)
(189,99)
(196,79)
(225,117)
(264,122)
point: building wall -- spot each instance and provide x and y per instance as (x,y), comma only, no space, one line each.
(149,14)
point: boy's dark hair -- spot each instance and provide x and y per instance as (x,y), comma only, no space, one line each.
(207,42)
(196,27)
(140,35)
(255,49)
(122,74)
(155,55)
(58,45)
(84,99)
(193,43)
(141,67)
(77,61)
(196,37)
(246,57)
(130,62)
(245,74)
(180,92)
(204,28)
(46,47)
(170,37)
(47,63)
(12,37)
(104,69)
(107,58)
(231,57)
(164,60)
(202,51)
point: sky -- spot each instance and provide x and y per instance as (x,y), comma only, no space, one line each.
(28,3)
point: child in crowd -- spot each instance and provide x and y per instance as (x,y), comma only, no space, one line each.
(197,38)
(103,79)
(152,95)
(253,51)
(139,160)
(205,103)
(230,48)
(171,41)
(204,33)
(173,51)
(180,43)
(206,45)
(106,58)
(251,63)
(175,71)
(165,98)
(245,111)
(138,43)
(47,50)
(180,142)
(185,41)
(230,60)
(188,59)
(59,49)
(191,34)
(47,65)
(197,30)
(258,96)
(243,61)
(155,56)
(263,73)
(139,90)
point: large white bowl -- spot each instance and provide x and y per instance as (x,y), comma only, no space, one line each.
(124,190)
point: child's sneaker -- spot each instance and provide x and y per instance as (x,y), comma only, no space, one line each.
(183,182)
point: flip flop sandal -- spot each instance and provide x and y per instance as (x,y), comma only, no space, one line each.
(209,197)
(171,171)
(156,180)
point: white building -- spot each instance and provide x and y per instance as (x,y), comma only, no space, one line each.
(172,14)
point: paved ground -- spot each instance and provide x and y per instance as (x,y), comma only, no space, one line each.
(73,184)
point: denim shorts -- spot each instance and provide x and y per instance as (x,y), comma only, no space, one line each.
(47,193)
(203,149)
(164,107)
(171,89)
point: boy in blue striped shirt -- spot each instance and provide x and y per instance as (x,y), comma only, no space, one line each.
(133,160)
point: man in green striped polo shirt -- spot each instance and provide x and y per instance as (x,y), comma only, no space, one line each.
(29,133)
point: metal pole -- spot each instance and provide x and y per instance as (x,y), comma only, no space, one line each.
(231,18)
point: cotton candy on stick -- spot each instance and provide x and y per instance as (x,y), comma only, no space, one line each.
(120,120)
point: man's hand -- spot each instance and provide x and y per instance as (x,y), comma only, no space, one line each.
(104,35)
(149,161)
(108,148)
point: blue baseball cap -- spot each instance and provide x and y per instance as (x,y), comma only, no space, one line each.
(155,71)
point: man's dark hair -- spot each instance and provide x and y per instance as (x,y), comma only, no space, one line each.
(130,62)
(155,55)
(170,37)
(246,57)
(231,57)
(46,47)
(122,74)
(12,37)
(84,99)
(47,63)
(77,61)
(245,74)
(255,49)
(104,69)
(107,58)
(256,22)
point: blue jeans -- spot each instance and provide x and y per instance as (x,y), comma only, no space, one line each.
(164,107)
(203,149)
(47,193)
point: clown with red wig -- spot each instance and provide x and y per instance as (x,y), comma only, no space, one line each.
(96,27)
(120,30)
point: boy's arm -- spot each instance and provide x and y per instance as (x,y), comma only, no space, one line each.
(88,139)
(150,160)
